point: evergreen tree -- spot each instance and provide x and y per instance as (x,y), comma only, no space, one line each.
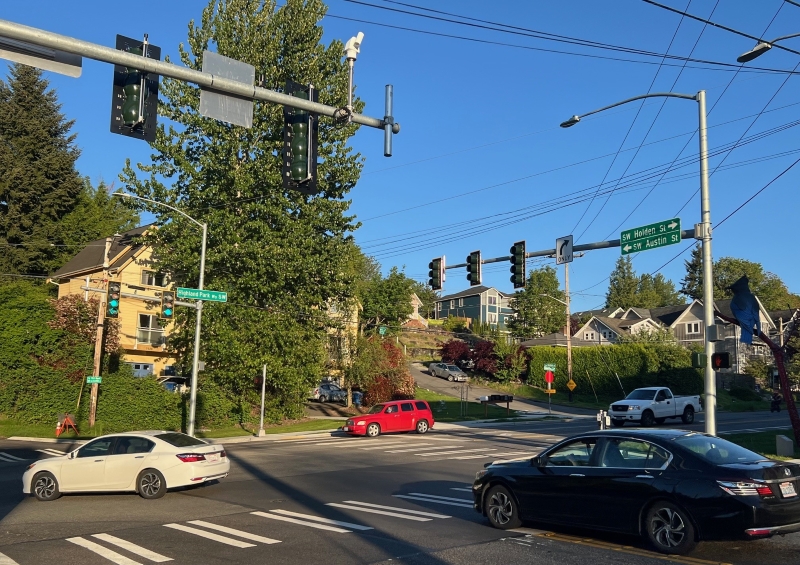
(538,315)
(39,184)
(692,283)
(622,285)
(281,256)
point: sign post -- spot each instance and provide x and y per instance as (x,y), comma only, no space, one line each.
(651,236)
(549,369)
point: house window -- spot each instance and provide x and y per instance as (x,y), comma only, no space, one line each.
(693,328)
(588,336)
(452,304)
(605,336)
(151,278)
(492,300)
(149,332)
(492,318)
(460,301)
(438,306)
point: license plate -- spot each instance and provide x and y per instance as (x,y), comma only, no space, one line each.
(213,458)
(788,490)
(345,429)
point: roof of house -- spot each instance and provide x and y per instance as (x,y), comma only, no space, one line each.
(556,340)
(668,314)
(785,315)
(90,258)
(724,307)
(472,291)
(609,312)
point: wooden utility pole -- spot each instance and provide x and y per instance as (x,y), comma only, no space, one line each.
(98,340)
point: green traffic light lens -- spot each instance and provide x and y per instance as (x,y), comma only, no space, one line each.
(168,311)
(113,303)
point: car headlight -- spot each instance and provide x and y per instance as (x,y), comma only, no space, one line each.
(31,466)
(633,407)
(481,473)
(361,422)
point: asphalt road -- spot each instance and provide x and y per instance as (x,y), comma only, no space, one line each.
(325,499)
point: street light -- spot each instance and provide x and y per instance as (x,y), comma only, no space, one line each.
(762,48)
(569,332)
(702,232)
(198,307)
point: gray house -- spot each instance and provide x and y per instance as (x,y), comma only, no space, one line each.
(481,304)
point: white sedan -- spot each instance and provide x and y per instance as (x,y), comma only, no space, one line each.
(144,462)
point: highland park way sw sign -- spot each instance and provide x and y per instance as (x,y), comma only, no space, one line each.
(197,294)
(651,236)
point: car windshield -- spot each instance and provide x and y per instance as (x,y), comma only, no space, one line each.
(376,409)
(641,394)
(453,368)
(180,440)
(717,451)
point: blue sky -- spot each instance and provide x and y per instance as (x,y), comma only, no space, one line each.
(481,162)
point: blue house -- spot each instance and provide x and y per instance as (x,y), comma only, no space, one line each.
(483,304)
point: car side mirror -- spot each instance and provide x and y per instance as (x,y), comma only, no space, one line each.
(537,462)
(73,455)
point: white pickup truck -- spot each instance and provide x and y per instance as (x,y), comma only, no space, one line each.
(653,405)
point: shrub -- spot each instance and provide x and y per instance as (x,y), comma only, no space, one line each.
(455,324)
(744,394)
(455,350)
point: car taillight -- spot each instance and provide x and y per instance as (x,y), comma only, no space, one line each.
(746,489)
(191,457)
(223,454)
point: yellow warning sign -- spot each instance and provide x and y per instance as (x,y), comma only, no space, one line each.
(571,385)
(550,390)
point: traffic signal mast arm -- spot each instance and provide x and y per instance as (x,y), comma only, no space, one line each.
(206,80)
(685,234)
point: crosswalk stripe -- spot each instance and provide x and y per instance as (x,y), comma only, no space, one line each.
(6,560)
(425,448)
(429,514)
(321,519)
(133,548)
(479,456)
(233,532)
(112,556)
(376,511)
(465,500)
(210,535)
(397,444)
(452,452)
(301,522)
(9,457)
(409,497)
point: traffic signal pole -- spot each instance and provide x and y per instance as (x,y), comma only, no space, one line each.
(104,54)
(98,341)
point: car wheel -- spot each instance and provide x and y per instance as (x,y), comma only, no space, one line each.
(151,484)
(450,378)
(648,419)
(660,421)
(669,529)
(688,415)
(373,430)
(617,423)
(501,509)
(323,398)
(45,487)
(422,426)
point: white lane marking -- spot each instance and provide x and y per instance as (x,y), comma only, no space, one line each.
(6,560)
(112,556)
(508,454)
(321,519)
(397,444)
(301,522)
(376,511)
(9,457)
(426,448)
(133,548)
(209,535)
(462,489)
(233,532)
(452,452)
(529,531)
(51,452)
(407,497)
(397,509)
(464,500)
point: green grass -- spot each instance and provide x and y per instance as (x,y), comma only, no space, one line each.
(726,403)
(448,409)
(762,442)
(560,397)
(11,428)
(311,425)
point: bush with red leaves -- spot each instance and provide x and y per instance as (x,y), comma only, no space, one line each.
(484,357)
(455,350)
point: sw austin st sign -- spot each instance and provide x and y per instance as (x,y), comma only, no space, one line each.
(651,236)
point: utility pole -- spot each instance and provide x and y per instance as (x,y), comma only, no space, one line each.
(98,340)
(569,324)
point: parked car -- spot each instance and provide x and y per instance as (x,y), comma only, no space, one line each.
(671,486)
(395,416)
(144,462)
(328,391)
(448,371)
(653,405)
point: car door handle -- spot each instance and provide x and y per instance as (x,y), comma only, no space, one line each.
(577,475)
(139,457)
(99,460)
(645,477)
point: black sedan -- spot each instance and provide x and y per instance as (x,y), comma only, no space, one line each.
(672,486)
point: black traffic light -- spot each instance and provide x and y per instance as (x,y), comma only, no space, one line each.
(436,273)
(167,305)
(474,268)
(721,360)
(518,264)
(113,292)
(134,101)
(300,139)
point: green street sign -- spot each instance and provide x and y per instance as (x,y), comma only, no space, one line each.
(382,330)
(197,294)
(550,367)
(651,236)
(94,380)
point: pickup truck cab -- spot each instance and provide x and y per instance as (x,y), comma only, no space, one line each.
(653,405)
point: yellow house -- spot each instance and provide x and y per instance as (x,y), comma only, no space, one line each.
(142,339)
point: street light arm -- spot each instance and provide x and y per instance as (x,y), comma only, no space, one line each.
(762,47)
(184,214)
(575,119)
(554,298)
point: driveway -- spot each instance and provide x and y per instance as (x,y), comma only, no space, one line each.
(436,384)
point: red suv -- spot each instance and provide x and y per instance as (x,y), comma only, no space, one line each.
(395,416)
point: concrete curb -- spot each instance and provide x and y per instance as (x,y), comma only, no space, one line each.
(46,439)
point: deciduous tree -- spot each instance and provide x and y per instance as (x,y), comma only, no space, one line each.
(537,306)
